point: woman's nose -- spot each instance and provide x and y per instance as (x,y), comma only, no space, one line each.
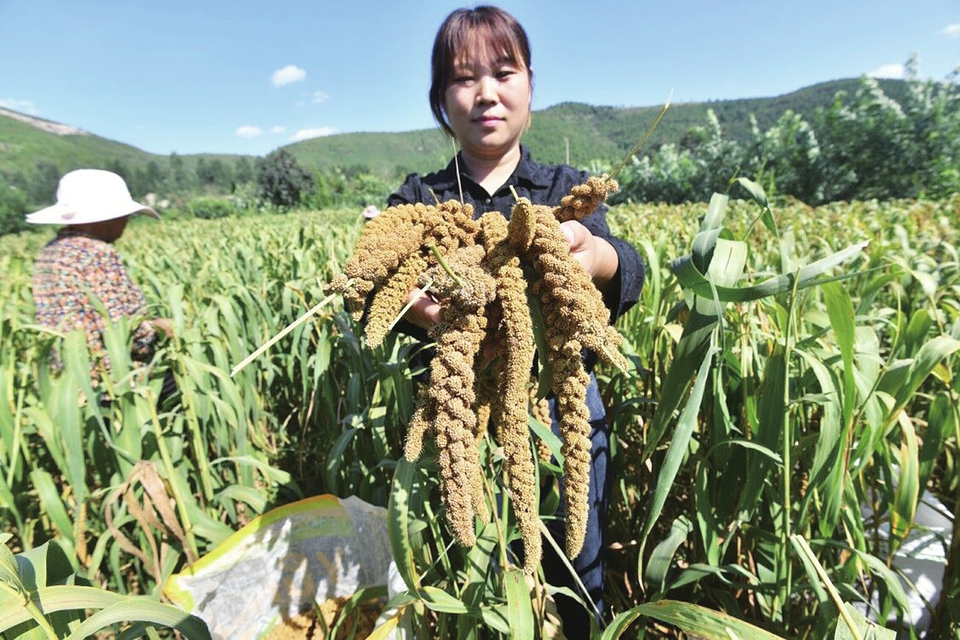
(486,90)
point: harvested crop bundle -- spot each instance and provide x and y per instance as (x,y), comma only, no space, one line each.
(481,273)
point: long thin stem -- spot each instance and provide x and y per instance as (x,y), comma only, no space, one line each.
(804,548)
(643,139)
(290,327)
(17,431)
(173,476)
(785,565)
(32,609)
(446,267)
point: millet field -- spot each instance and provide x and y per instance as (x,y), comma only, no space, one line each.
(789,397)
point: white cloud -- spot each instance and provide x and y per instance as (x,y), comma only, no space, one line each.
(300,104)
(22,106)
(316,132)
(288,74)
(278,129)
(320,96)
(951,30)
(897,71)
(247,131)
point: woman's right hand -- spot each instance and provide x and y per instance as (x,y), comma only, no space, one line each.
(165,325)
(424,312)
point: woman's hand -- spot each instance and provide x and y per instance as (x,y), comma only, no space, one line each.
(424,312)
(165,325)
(595,255)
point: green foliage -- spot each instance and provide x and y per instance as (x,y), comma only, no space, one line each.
(147,179)
(877,147)
(13,209)
(804,404)
(209,208)
(786,158)
(243,171)
(799,416)
(862,147)
(41,597)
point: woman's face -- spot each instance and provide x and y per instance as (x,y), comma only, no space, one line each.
(106,230)
(488,104)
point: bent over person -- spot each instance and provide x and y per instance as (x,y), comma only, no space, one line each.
(81,264)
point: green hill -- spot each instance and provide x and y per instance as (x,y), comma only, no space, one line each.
(27,143)
(574,132)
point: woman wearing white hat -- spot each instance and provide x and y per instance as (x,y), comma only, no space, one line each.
(81,262)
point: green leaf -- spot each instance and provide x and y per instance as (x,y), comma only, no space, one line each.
(52,504)
(142,610)
(620,624)
(661,558)
(695,572)
(9,571)
(398,523)
(519,608)
(868,630)
(941,425)
(700,621)
(827,475)
(677,451)
(713,220)
(65,411)
(552,440)
(810,275)
(930,355)
(691,349)
(840,310)
(771,411)
(760,197)
(545,373)
(478,565)
(907,492)
(337,456)
(440,601)
(272,473)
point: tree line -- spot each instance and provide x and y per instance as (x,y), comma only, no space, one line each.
(210,188)
(863,146)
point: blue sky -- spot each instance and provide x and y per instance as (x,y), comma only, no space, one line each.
(196,76)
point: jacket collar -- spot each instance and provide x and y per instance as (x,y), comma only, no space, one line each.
(534,173)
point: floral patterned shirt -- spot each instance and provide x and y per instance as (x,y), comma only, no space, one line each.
(75,266)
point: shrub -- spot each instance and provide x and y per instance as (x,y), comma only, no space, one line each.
(209,208)
(13,208)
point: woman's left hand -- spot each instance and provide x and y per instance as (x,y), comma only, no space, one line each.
(595,255)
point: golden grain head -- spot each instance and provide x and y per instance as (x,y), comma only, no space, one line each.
(476,271)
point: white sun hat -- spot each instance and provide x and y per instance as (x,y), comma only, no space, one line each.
(90,195)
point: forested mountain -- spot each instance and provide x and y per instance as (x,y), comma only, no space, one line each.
(574,132)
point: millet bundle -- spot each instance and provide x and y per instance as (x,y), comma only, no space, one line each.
(480,271)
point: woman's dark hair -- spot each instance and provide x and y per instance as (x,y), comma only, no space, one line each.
(467,30)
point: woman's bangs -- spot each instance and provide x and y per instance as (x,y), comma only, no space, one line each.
(490,45)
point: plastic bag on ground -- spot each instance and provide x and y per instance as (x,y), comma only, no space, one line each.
(284,562)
